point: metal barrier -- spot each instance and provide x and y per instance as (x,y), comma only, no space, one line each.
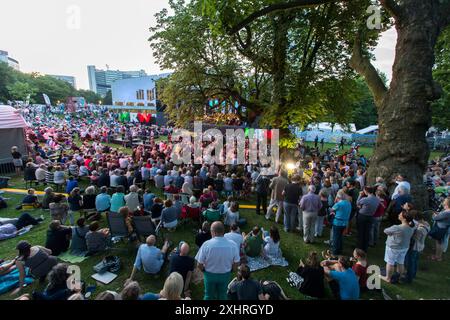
(6,168)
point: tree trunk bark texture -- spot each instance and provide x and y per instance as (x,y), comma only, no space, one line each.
(404,114)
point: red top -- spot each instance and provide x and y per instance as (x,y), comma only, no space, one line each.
(381,209)
(361,272)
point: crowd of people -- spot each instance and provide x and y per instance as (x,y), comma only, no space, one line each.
(326,189)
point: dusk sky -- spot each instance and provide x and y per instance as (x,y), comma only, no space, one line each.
(48,36)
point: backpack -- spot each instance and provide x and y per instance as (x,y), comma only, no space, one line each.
(109,263)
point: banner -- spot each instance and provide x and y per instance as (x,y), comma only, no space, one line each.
(47,99)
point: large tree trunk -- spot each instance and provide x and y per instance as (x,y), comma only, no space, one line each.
(404,114)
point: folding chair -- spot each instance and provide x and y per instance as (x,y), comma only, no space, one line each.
(144,226)
(117,225)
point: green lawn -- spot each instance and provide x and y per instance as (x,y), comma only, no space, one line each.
(433,281)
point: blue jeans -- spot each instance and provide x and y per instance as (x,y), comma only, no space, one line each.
(336,243)
(290,215)
(411,262)
(319,226)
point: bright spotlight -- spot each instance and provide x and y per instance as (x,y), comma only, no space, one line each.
(290,166)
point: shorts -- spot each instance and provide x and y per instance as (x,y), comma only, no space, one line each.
(18,163)
(395,256)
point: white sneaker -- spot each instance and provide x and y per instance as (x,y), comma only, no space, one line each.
(327,242)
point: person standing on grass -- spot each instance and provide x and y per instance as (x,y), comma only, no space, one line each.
(262,183)
(441,227)
(292,193)
(417,246)
(277,186)
(368,204)
(17,159)
(340,216)
(397,245)
(216,259)
(310,205)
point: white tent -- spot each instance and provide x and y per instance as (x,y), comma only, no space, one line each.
(368,130)
(12,132)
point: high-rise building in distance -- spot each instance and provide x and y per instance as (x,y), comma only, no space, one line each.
(4,57)
(100,81)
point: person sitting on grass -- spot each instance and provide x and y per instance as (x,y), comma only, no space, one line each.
(181,262)
(243,287)
(235,235)
(173,288)
(212,214)
(131,291)
(38,259)
(58,238)
(48,198)
(149,257)
(59,209)
(203,235)
(343,281)
(97,239)
(313,276)
(30,201)
(360,267)
(56,288)
(253,243)
(78,245)
(232,214)
(272,243)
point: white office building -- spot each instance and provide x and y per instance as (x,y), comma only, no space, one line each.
(4,57)
(100,81)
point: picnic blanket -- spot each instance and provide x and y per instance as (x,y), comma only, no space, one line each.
(10,281)
(259,263)
(71,257)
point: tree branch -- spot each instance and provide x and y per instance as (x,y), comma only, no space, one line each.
(392,7)
(276,7)
(364,67)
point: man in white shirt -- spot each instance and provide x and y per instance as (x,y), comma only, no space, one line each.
(217,258)
(235,236)
(400,180)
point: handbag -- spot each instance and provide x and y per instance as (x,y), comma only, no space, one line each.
(437,233)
